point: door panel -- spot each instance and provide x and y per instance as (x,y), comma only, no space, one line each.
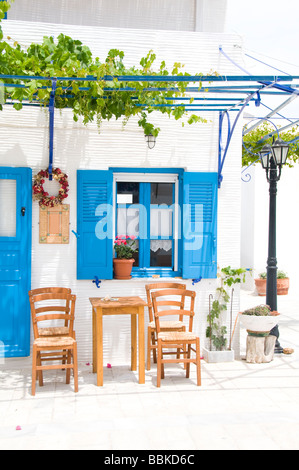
(15,260)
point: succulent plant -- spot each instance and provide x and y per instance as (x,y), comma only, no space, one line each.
(260,311)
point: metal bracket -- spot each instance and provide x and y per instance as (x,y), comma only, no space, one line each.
(51,126)
(76,234)
(97,282)
(196,281)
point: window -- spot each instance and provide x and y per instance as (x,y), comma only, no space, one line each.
(146,208)
(8,202)
(172,213)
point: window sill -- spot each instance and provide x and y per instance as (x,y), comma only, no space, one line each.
(153,279)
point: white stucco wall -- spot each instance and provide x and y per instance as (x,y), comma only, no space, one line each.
(255,220)
(24,142)
(175,15)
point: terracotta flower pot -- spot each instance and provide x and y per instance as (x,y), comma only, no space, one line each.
(123,268)
(282,286)
(261,286)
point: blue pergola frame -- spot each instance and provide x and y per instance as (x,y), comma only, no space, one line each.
(249,87)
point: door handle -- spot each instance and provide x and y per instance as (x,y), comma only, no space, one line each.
(23,211)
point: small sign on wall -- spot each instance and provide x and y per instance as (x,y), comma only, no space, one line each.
(54,225)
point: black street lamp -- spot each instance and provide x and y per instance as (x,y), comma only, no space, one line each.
(272,159)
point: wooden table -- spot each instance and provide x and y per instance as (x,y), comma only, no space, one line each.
(133,306)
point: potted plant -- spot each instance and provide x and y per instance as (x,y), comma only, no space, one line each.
(283,284)
(259,321)
(218,349)
(124,247)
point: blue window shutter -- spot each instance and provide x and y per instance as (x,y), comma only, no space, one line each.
(94,224)
(199,231)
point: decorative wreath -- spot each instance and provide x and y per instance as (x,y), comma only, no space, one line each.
(39,194)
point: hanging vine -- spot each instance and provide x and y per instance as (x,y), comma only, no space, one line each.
(91,100)
(252,144)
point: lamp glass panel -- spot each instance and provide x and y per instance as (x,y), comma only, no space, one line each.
(280,151)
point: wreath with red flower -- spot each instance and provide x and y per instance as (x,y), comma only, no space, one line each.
(39,194)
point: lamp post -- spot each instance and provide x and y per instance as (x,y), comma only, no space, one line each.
(273,158)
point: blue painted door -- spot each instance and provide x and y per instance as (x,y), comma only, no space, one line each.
(15,260)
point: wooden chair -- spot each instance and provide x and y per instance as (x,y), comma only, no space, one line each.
(176,339)
(177,325)
(49,347)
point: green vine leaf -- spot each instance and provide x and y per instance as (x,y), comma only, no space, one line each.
(90,100)
(252,144)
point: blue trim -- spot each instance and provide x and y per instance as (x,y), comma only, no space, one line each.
(51,127)
(163,79)
(179,171)
(144,269)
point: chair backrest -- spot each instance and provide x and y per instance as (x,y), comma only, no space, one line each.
(51,312)
(169,302)
(150,288)
(50,290)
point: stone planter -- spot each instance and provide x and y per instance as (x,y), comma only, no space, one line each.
(213,357)
(259,325)
(123,268)
(283,286)
(260,345)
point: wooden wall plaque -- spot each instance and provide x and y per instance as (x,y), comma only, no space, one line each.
(54,225)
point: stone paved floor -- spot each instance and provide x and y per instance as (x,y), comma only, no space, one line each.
(240,406)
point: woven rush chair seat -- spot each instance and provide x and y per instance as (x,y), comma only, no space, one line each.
(54,331)
(55,341)
(176,336)
(168,325)
(177,325)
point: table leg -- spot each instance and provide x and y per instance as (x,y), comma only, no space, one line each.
(141,345)
(99,346)
(133,342)
(94,342)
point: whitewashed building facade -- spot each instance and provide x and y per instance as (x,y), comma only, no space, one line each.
(192,38)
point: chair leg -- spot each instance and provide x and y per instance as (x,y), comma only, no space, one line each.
(154,343)
(75,364)
(149,342)
(159,363)
(40,372)
(68,370)
(198,362)
(34,360)
(188,363)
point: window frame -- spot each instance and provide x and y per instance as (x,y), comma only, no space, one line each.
(157,175)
